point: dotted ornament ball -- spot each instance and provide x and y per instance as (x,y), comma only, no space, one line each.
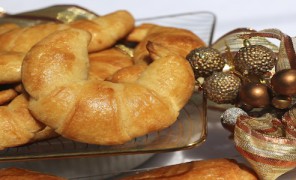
(222,87)
(254,59)
(205,60)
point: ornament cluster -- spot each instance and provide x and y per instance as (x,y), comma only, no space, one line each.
(248,82)
(259,79)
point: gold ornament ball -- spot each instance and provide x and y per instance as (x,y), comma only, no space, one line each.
(205,60)
(222,87)
(255,95)
(281,102)
(284,82)
(254,59)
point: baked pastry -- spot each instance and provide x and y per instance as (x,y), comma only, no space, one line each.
(139,32)
(6,95)
(18,127)
(7,27)
(213,169)
(106,30)
(24,174)
(105,63)
(128,74)
(15,42)
(179,41)
(55,74)
(10,66)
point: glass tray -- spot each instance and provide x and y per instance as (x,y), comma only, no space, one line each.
(188,131)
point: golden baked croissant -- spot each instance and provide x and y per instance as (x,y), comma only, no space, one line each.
(105,30)
(55,74)
(213,169)
(24,174)
(105,63)
(18,127)
(7,27)
(179,41)
(6,95)
(10,66)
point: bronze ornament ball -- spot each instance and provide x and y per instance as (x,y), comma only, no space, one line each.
(281,102)
(254,59)
(255,95)
(222,87)
(284,82)
(205,60)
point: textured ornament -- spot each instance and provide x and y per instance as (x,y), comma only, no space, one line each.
(205,61)
(222,87)
(254,59)
(255,95)
(229,117)
(289,119)
(263,142)
(284,82)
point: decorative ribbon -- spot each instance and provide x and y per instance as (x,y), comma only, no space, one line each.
(264,143)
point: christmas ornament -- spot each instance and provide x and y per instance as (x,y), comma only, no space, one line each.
(205,61)
(255,95)
(228,118)
(284,82)
(263,143)
(289,119)
(222,87)
(281,102)
(268,142)
(254,59)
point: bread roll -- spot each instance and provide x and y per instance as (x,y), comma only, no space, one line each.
(222,169)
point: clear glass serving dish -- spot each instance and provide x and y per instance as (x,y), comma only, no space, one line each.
(188,131)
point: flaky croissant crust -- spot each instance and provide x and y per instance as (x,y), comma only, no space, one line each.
(55,74)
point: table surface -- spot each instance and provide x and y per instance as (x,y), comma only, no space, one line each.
(230,15)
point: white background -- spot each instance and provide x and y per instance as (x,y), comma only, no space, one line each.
(230,14)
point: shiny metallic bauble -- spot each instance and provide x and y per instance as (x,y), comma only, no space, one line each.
(281,102)
(254,59)
(284,82)
(255,95)
(205,60)
(222,87)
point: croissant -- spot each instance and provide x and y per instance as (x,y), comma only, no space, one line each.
(105,30)
(55,74)
(7,27)
(25,174)
(18,127)
(179,41)
(10,66)
(212,169)
(105,63)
